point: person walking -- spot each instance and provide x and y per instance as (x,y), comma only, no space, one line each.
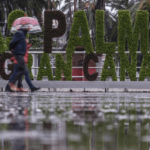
(18,48)
(27,76)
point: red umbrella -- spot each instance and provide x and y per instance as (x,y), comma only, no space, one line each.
(26,22)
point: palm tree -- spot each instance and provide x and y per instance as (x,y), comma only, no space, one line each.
(110,19)
(53,4)
(31,7)
(89,8)
(70,14)
(140,5)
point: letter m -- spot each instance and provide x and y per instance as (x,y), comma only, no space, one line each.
(128,40)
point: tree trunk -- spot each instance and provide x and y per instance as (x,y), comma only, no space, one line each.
(49,4)
(104,4)
(80,4)
(75,5)
(70,12)
(16,5)
(100,5)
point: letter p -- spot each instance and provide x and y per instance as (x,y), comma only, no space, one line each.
(49,32)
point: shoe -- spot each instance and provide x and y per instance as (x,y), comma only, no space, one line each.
(22,90)
(13,87)
(8,89)
(35,89)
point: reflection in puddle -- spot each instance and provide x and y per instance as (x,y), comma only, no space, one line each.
(71,121)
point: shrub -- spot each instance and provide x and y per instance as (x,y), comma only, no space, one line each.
(30,63)
(7,41)
(2,48)
(13,16)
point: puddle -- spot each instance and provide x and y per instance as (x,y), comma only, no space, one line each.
(71,121)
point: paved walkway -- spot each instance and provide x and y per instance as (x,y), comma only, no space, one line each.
(95,86)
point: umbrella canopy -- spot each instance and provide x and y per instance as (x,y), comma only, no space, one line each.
(24,23)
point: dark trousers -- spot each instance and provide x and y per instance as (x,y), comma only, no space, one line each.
(21,68)
(27,77)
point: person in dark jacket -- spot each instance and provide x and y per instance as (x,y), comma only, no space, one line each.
(27,76)
(18,48)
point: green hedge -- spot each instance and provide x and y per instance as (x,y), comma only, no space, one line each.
(30,63)
(103,47)
(49,32)
(109,62)
(45,62)
(145,67)
(62,66)
(7,41)
(125,33)
(2,48)
(13,16)
(79,21)
(5,46)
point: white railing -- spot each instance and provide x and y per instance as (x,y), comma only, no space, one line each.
(58,50)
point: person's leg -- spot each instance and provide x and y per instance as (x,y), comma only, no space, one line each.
(21,70)
(28,80)
(19,85)
(7,88)
(14,72)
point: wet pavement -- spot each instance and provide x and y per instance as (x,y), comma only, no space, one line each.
(74,120)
